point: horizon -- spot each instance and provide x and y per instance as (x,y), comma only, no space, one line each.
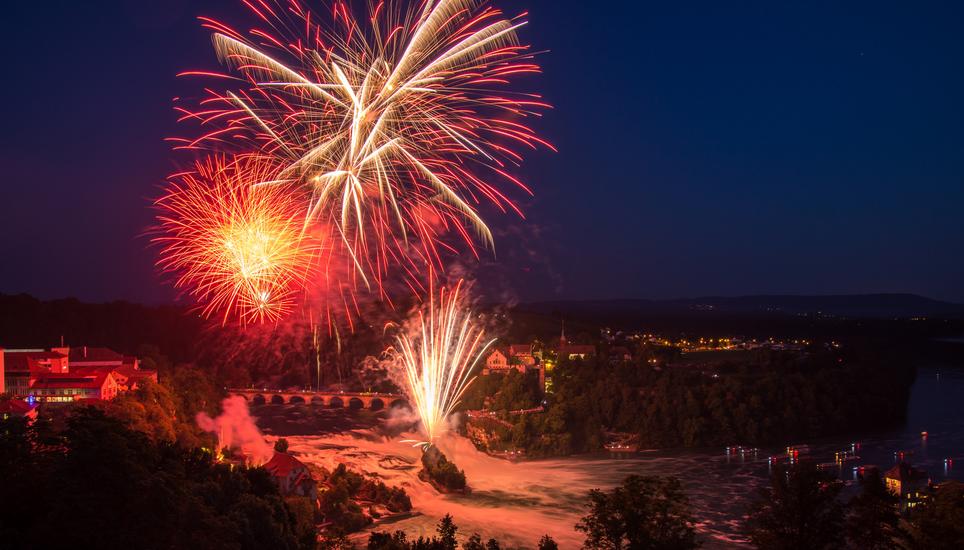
(495,302)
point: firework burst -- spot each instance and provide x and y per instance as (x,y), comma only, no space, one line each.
(439,357)
(235,240)
(397,124)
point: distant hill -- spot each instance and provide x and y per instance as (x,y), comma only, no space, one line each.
(26,322)
(870,306)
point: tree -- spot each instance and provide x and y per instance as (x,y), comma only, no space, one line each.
(646,512)
(872,516)
(939,522)
(95,479)
(446,532)
(437,468)
(473,543)
(338,541)
(798,510)
(149,409)
(546,543)
(384,541)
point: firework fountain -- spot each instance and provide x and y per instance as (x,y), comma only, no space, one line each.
(438,360)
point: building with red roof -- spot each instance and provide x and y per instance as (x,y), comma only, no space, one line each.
(497,361)
(516,356)
(65,375)
(89,356)
(70,387)
(22,367)
(17,407)
(573,351)
(291,475)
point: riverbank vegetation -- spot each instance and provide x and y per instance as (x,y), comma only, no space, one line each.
(99,484)
(778,397)
(351,501)
(801,508)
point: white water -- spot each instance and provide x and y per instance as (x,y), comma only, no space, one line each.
(516,503)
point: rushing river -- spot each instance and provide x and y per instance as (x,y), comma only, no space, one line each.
(519,502)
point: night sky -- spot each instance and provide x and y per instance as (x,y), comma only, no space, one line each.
(757,147)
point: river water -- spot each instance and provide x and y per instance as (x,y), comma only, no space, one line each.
(519,502)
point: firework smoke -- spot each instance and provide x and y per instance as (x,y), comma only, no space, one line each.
(236,429)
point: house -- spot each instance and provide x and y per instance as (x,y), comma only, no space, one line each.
(518,357)
(497,362)
(573,351)
(69,387)
(64,374)
(292,476)
(22,367)
(126,368)
(90,356)
(908,483)
(522,354)
(18,407)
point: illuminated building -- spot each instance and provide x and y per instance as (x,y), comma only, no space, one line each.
(69,387)
(908,483)
(22,367)
(63,375)
(517,356)
(291,476)
(522,354)
(497,362)
(125,368)
(573,351)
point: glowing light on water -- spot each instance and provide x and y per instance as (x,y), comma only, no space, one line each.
(438,359)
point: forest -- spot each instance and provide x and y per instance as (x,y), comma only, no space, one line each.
(774,399)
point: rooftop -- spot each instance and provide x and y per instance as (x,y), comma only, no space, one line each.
(82,354)
(15,406)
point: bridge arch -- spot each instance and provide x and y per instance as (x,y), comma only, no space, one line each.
(354,403)
(317,400)
(296,399)
(376,404)
(258,399)
(336,402)
(399,403)
(277,400)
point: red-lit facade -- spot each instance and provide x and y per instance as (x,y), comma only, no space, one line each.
(64,375)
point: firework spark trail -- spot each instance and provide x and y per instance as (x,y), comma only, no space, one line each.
(438,360)
(396,124)
(236,246)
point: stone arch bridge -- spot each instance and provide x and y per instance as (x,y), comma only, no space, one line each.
(336,400)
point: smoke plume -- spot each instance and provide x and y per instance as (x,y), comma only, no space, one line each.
(236,430)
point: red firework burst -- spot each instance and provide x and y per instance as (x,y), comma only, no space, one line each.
(235,239)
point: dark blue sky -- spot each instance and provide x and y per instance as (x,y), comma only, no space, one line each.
(757,147)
